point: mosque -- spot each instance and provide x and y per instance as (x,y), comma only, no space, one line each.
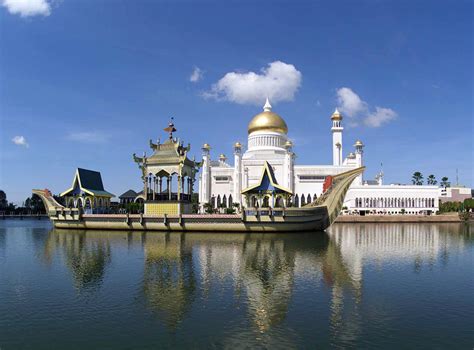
(270,152)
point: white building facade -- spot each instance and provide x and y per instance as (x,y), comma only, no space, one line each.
(221,183)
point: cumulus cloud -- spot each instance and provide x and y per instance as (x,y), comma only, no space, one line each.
(27,8)
(20,141)
(196,75)
(350,104)
(379,117)
(88,137)
(279,81)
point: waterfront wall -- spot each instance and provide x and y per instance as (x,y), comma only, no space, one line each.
(398,218)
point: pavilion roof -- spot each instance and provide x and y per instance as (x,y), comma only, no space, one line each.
(267,182)
(90,182)
(129,194)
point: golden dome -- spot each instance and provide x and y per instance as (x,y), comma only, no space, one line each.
(237,144)
(358,143)
(336,115)
(288,143)
(206,146)
(222,156)
(268,121)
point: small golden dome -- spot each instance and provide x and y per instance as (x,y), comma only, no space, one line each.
(358,143)
(288,144)
(237,145)
(222,156)
(206,146)
(336,115)
(268,121)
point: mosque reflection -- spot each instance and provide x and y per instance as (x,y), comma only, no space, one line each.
(181,269)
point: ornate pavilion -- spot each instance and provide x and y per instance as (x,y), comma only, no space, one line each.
(168,176)
(87,192)
(267,193)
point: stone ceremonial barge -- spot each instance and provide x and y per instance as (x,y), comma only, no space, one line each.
(251,188)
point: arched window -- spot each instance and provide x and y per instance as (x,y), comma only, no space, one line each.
(315,197)
(303,200)
(224,201)
(218,201)
(278,202)
(254,202)
(213,201)
(265,203)
(296,201)
(231,202)
(308,199)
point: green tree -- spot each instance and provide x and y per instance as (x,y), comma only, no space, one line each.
(3,200)
(208,208)
(432,180)
(444,182)
(417,178)
(37,204)
(449,207)
(469,204)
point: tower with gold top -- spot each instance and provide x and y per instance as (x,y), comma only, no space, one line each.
(336,137)
(168,176)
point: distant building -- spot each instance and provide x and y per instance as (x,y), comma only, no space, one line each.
(455,194)
(87,192)
(128,197)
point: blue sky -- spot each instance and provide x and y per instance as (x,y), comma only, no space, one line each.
(88,83)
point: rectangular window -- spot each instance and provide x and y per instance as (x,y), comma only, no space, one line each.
(312,178)
(222,178)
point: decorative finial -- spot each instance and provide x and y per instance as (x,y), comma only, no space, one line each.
(267,107)
(170,129)
(336,111)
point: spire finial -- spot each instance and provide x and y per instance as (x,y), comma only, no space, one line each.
(267,107)
(170,129)
(336,111)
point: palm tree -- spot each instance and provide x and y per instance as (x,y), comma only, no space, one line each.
(432,180)
(417,178)
(444,182)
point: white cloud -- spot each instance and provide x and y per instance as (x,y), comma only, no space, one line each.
(379,117)
(196,75)
(27,8)
(359,111)
(349,102)
(20,141)
(88,137)
(279,81)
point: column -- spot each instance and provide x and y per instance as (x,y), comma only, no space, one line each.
(169,186)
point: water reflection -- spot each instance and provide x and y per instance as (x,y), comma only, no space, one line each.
(264,271)
(86,257)
(169,281)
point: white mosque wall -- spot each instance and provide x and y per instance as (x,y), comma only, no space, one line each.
(392,199)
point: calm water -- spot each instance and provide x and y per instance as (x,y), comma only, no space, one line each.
(364,286)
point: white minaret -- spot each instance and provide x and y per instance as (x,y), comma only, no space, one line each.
(359,151)
(238,173)
(288,166)
(336,138)
(205,183)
